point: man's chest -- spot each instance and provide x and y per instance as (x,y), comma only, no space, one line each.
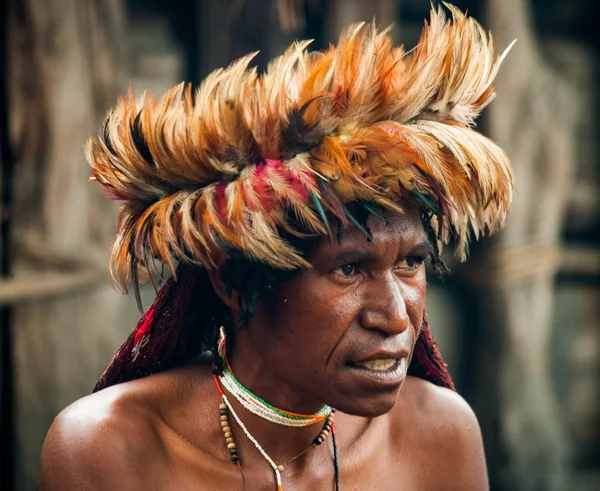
(366,459)
(378,472)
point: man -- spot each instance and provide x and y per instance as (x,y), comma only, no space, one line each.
(301,207)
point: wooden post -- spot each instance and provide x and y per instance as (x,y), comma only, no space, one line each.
(64,58)
(526,444)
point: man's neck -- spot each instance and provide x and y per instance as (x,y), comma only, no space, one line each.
(280,442)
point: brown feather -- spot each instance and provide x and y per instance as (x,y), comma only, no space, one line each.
(202,174)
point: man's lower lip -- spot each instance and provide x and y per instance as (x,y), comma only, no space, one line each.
(390,377)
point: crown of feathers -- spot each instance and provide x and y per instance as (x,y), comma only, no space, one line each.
(250,157)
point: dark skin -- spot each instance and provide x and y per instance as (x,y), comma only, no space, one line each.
(304,348)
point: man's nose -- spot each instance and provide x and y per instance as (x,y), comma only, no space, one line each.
(385,307)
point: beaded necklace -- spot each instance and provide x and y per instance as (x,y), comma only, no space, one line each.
(260,407)
(226,408)
(263,409)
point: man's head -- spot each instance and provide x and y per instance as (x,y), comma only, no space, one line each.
(250,176)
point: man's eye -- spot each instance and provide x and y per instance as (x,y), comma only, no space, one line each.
(410,262)
(346,270)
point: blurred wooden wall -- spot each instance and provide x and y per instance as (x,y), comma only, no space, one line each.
(540,120)
(63,74)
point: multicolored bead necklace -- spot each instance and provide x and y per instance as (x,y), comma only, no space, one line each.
(261,408)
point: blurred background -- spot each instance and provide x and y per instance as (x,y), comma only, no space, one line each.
(519,324)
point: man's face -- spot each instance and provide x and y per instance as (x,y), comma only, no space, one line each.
(343,331)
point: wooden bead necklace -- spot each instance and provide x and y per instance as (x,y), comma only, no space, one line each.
(225,409)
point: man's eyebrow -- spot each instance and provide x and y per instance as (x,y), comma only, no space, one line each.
(424,247)
(354,255)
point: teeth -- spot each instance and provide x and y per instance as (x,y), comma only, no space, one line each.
(378,365)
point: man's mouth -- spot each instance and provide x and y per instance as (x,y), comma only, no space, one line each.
(386,372)
(377,365)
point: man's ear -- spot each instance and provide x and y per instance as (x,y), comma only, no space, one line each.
(217,279)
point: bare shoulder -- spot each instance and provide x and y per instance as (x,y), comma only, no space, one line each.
(443,432)
(439,408)
(98,442)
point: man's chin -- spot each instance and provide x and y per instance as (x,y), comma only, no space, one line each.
(368,406)
(367,393)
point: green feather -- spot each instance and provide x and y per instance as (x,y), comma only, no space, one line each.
(367,234)
(371,209)
(426,201)
(321,212)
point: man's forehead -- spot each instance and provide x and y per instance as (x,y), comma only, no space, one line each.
(389,229)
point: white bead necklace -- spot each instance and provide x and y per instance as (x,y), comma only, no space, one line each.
(256,444)
(257,406)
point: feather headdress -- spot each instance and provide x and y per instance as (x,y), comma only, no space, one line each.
(249,155)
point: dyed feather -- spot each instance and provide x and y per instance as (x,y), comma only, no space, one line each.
(221,170)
